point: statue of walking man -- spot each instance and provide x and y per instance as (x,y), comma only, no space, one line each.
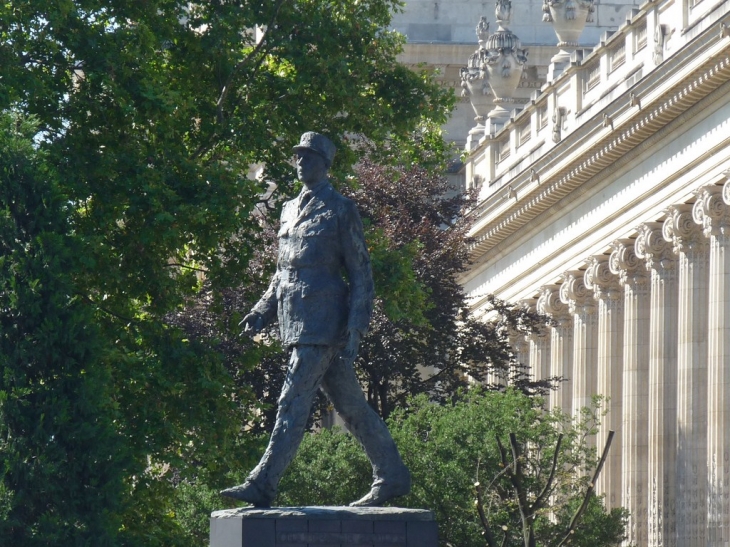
(322,315)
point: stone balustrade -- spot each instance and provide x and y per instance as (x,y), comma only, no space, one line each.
(580,103)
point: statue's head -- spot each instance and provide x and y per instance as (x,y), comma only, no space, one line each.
(319,144)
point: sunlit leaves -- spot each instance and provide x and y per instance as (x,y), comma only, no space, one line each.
(149,115)
(448,448)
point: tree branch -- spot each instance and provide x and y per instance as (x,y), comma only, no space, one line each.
(542,497)
(103,309)
(482,515)
(239,66)
(178,265)
(589,491)
(522,503)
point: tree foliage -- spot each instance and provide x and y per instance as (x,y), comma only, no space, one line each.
(451,448)
(56,409)
(422,339)
(147,118)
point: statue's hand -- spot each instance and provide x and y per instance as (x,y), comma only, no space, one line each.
(253,323)
(353,343)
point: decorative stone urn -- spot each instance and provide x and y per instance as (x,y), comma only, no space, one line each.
(475,80)
(569,18)
(505,62)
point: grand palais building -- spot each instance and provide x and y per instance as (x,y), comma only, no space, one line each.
(603,171)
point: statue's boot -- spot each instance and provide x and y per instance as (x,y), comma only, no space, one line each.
(248,492)
(383,491)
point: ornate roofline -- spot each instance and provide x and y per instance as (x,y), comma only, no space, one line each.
(633,117)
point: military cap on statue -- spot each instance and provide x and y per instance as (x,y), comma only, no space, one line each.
(318,143)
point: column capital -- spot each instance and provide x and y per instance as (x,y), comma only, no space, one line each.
(530,305)
(601,280)
(549,303)
(575,294)
(651,246)
(518,341)
(624,262)
(681,230)
(711,211)
(726,187)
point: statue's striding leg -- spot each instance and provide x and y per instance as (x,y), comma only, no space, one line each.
(390,475)
(307,366)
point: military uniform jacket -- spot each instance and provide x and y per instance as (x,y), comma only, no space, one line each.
(323,285)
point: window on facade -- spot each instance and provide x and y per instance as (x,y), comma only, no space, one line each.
(524,133)
(617,57)
(593,76)
(503,153)
(640,38)
(542,117)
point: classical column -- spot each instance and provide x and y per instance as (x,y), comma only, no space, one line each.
(692,248)
(539,352)
(711,211)
(607,292)
(662,265)
(561,345)
(635,281)
(520,345)
(583,309)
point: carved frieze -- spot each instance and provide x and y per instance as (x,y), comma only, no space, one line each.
(660,33)
(558,121)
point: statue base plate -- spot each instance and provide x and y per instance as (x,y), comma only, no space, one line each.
(323,527)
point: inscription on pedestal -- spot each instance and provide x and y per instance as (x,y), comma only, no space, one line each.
(312,538)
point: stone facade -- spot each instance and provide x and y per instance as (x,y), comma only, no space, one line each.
(441,37)
(605,203)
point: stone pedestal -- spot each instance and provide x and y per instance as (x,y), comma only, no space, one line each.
(323,527)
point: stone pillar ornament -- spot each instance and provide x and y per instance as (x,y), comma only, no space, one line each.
(475,84)
(569,18)
(579,299)
(505,62)
(692,248)
(635,281)
(712,212)
(607,292)
(561,345)
(662,265)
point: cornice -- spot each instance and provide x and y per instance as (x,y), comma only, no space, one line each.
(563,169)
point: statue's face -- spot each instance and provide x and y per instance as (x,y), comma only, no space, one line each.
(311,167)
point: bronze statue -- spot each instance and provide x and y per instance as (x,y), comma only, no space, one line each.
(322,318)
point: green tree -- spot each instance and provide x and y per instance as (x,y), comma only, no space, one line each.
(449,448)
(422,338)
(56,406)
(148,117)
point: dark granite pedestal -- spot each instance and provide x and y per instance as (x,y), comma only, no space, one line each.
(323,527)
